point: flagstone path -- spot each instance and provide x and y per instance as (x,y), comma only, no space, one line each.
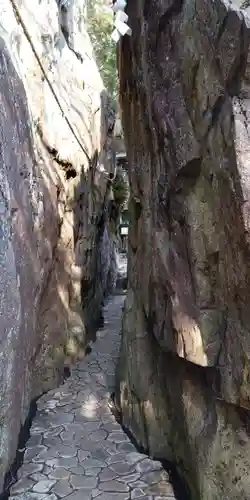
(77,450)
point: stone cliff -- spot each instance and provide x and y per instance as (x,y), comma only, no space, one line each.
(56,250)
(183,377)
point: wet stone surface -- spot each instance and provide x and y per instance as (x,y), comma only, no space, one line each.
(77,450)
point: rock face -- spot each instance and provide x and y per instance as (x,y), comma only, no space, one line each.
(56,251)
(183,378)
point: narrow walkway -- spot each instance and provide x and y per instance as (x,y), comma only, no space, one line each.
(77,450)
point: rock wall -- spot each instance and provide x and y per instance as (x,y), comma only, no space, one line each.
(183,377)
(56,251)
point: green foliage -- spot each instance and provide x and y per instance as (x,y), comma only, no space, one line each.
(120,190)
(100,27)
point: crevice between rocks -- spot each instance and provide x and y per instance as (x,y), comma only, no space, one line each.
(11,477)
(180,488)
(24,435)
(67,166)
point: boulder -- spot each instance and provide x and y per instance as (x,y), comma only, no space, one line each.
(55,249)
(183,376)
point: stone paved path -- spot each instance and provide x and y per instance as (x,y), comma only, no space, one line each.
(77,450)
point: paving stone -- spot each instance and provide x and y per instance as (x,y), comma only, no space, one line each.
(82,495)
(155,476)
(89,463)
(95,493)
(82,455)
(29,468)
(111,427)
(130,479)
(79,482)
(137,493)
(88,445)
(46,397)
(115,458)
(34,440)
(92,472)
(165,498)
(33,452)
(91,426)
(139,484)
(135,457)
(145,497)
(148,465)
(66,451)
(109,447)
(47,469)
(60,419)
(111,496)
(77,450)
(71,408)
(38,476)
(47,404)
(43,486)
(161,488)
(39,426)
(122,469)
(53,432)
(100,454)
(49,496)
(107,419)
(69,436)
(113,485)
(72,428)
(77,470)
(22,486)
(45,455)
(107,474)
(61,473)
(62,488)
(68,441)
(98,435)
(125,447)
(51,442)
(30,496)
(62,462)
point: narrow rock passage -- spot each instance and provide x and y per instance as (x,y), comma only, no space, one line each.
(77,450)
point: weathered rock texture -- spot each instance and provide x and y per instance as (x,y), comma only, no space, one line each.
(183,378)
(55,246)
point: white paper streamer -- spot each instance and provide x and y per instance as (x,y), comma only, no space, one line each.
(119,5)
(121,20)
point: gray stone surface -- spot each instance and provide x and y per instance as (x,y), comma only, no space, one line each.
(50,207)
(72,464)
(49,220)
(183,382)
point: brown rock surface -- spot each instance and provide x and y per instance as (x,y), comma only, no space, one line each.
(183,377)
(56,252)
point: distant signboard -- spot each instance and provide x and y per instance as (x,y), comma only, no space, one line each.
(124,231)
